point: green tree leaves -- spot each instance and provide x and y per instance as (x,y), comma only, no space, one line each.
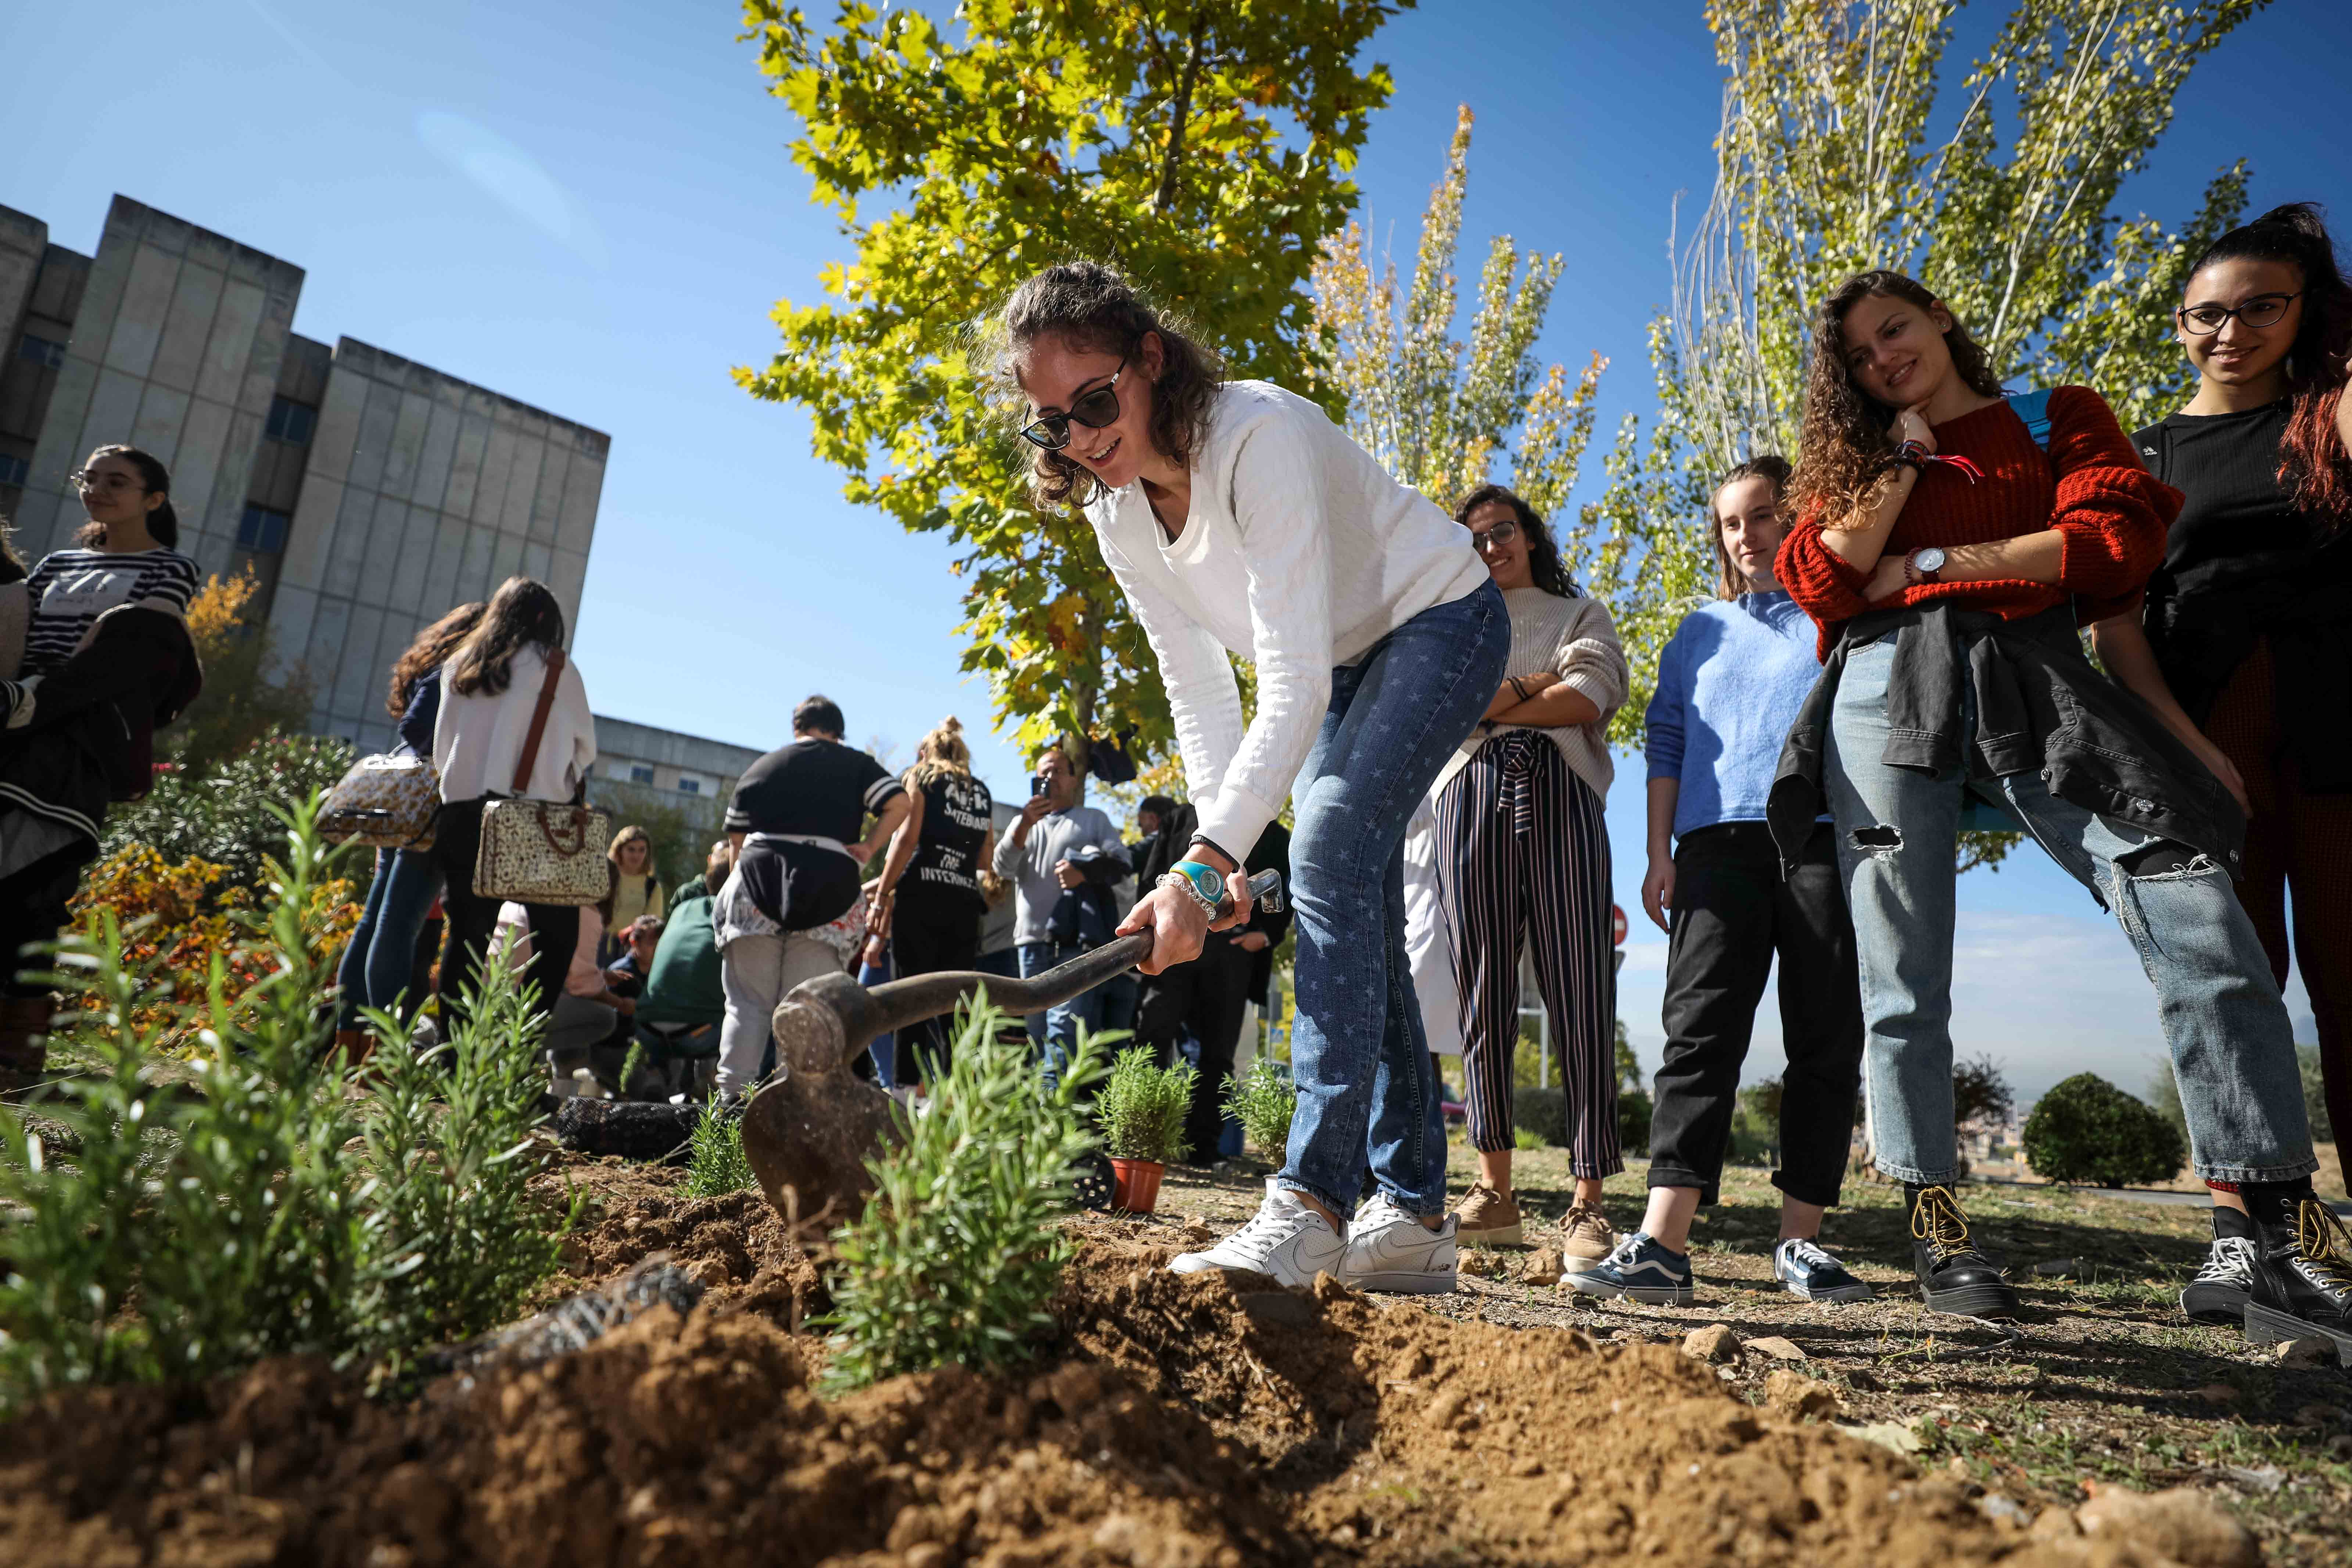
(1202,147)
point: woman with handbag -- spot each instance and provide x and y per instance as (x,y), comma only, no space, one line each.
(378,967)
(514,728)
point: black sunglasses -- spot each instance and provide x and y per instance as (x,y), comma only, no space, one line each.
(1094,410)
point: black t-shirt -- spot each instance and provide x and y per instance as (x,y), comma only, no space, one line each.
(958,813)
(2242,563)
(820,788)
(2237,521)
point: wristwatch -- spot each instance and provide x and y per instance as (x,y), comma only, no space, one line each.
(1186,884)
(1208,883)
(1924,564)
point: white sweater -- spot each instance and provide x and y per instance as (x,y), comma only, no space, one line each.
(1300,553)
(478,740)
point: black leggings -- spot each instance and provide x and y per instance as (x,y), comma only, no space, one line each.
(33,909)
(930,931)
(470,919)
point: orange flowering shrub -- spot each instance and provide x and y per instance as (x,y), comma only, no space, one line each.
(185,915)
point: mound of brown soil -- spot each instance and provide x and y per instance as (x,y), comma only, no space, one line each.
(1178,1422)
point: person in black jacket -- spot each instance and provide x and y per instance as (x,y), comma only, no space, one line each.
(105,661)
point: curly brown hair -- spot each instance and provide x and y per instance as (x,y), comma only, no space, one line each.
(1095,307)
(428,653)
(1842,449)
(1544,565)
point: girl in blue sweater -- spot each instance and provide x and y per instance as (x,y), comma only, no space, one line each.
(1729,685)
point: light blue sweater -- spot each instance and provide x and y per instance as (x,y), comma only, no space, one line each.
(1729,685)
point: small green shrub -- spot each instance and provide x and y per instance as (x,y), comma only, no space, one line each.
(1143,1106)
(957,1252)
(228,815)
(1634,1113)
(1528,1138)
(716,1164)
(1263,1101)
(2087,1129)
(270,1210)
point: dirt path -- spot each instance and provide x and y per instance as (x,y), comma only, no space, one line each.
(1202,1422)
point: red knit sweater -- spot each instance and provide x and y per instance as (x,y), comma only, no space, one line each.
(2090,486)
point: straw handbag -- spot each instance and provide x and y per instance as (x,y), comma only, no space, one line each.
(541,851)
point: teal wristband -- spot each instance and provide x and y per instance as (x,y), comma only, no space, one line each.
(1207,881)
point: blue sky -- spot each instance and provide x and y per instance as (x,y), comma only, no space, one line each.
(590,207)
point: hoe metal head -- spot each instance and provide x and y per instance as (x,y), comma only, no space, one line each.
(810,1130)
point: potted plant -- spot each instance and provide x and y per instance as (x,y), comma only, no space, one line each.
(1263,1101)
(1143,1108)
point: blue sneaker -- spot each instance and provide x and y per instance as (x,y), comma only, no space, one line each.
(1812,1274)
(1640,1269)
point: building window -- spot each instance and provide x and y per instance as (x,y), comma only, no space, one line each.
(690,786)
(14,470)
(41,351)
(291,421)
(262,531)
(640,773)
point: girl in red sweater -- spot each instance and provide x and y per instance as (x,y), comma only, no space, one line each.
(1947,548)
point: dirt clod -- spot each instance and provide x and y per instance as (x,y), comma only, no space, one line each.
(1775,1346)
(1794,1393)
(1714,1342)
(2182,1523)
(2312,1352)
(1544,1267)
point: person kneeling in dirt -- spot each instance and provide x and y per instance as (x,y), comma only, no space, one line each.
(1238,518)
(793,819)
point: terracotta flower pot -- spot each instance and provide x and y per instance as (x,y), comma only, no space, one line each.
(1136,1188)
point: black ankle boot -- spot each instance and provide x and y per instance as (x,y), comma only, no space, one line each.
(1953,1277)
(2302,1276)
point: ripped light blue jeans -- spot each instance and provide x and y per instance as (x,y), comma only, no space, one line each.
(2233,1046)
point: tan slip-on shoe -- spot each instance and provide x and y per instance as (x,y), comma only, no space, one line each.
(1585,1234)
(1487,1218)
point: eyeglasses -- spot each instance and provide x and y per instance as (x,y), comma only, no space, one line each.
(2261,310)
(1094,410)
(1495,538)
(90,479)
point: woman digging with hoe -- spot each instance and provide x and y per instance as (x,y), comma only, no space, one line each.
(1237,517)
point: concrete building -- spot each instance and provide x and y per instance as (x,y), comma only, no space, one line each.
(641,770)
(367,493)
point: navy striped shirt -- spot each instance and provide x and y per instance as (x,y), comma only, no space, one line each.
(71,588)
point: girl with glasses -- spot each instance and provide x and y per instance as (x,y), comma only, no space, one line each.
(1526,852)
(1948,548)
(104,660)
(2246,646)
(1239,520)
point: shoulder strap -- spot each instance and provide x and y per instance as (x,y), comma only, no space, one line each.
(2034,407)
(537,721)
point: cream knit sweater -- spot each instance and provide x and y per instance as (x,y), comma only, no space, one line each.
(1575,639)
(1299,554)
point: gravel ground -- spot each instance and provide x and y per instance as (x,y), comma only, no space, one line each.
(2103,1381)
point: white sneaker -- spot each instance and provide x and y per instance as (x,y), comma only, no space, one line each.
(1287,1239)
(1388,1249)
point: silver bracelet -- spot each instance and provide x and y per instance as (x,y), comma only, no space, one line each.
(1177,879)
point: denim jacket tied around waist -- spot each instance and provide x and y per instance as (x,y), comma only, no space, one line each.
(2039,708)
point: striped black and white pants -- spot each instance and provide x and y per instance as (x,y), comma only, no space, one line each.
(1526,850)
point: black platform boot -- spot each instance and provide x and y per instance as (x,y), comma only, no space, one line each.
(1953,1277)
(2303,1274)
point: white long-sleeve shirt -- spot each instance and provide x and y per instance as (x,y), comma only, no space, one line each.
(1300,553)
(478,740)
